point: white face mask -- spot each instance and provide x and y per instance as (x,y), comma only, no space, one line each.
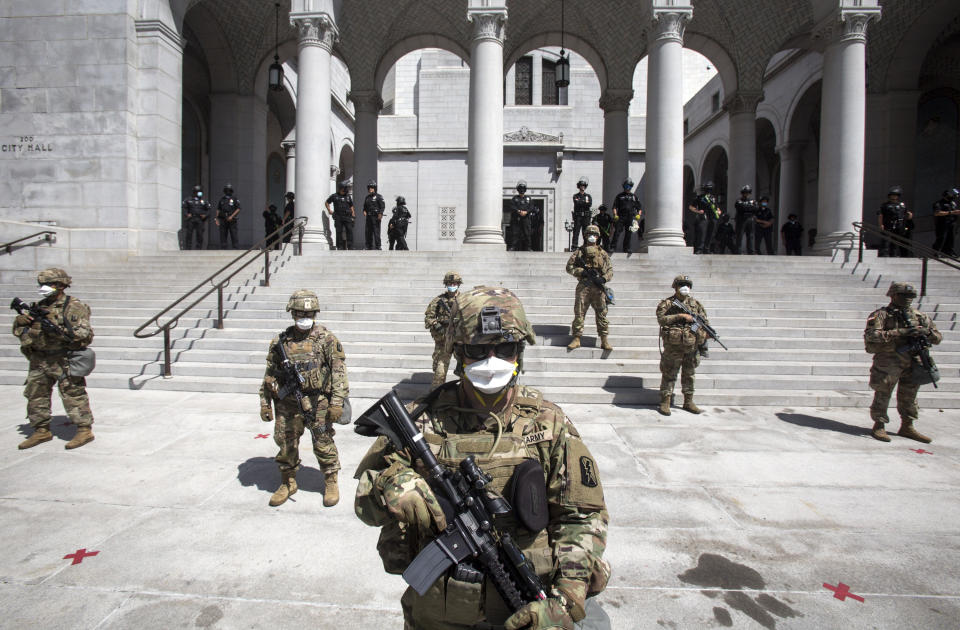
(45,291)
(305,323)
(490,375)
(591,239)
(452,289)
(684,291)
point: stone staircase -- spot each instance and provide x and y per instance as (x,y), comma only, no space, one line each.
(793,325)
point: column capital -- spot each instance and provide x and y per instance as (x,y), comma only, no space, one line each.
(489,20)
(289,148)
(791,149)
(616,100)
(316,30)
(849,23)
(367,101)
(743,102)
(669,21)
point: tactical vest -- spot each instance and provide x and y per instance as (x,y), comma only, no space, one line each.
(308,356)
(680,334)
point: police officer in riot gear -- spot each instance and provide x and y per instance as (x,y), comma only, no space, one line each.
(196,211)
(605,222)
(343,215)
(289,212)
(892,218)
(706,216)
(581,210)
(397,227)
(523,213)
(626,209)
(746,221)
(373,207)
(945,212)
(227,211)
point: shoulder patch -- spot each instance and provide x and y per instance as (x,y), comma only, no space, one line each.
(588,472)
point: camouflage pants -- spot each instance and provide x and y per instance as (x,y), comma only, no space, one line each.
(589,295)
(893,370)
(43,374)
(289,427)
(675,357)
(441,360)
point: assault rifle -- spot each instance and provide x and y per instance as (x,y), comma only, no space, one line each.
(593,276)
(471,542)
(698,323)
(39,314)
(291,381)
(918,346)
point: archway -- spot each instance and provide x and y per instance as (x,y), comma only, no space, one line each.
(714,170)
(800,157)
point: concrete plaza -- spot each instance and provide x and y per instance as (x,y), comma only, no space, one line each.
(739,518)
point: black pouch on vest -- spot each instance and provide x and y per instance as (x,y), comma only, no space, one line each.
(528,495)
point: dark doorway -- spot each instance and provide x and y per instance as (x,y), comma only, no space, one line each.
(509,229)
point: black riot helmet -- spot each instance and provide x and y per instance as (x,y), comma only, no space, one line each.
(747,189)
(627,184)
(228,188)
(290,196)
(895,190)
(197,189)
(708,187)
(582,182)
(401,201)
(372,184)
(522,186)
(951,193)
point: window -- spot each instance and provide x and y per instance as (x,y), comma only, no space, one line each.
(448,223)
(715,103)
(550,94)
(524,81)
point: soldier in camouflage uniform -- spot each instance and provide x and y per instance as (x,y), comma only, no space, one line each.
(681,346)
(435,319)
(47,353)
(590,256)
(489,415)
(319,358)
(887,329)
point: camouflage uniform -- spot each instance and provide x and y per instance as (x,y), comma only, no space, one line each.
(589,294)
(887,329)
(567,554)
(680,347)
(47,353)
(436,319)
(320,359)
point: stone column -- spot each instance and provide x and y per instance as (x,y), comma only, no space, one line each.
(616,142)
(843,129)
(290,151)
(791,183)
(485,136)
(663,185)
(536,78)
(742,110)
(317,35)
(367,105)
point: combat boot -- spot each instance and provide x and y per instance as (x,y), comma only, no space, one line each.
(84,435)
(907,431)
(879,432)
(574,343)
(39,437)
(664,407)
(689,405)
(287,487)
(331,492)
(604,343)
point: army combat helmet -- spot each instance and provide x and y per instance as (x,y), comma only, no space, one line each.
(681,281)
(54,275)
(303,300)
(592,229)
(452,277)
(488,315)
(901,288)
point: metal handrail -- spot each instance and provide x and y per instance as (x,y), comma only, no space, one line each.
(298,224)
(49,236)
(923,252)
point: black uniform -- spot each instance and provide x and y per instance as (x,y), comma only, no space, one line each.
(581,215)
(271,223)
(725,236)
(289,211)
(893,215)
(704,225)
(397,228)
(196,211)
(626,206)
(225,209)
(944,226)
(765,234)
(792,237)
(373,208)
(605,222)
(342,218)
(522,213)
(746,223)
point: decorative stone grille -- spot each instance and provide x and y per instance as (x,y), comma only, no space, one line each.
(448,223)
